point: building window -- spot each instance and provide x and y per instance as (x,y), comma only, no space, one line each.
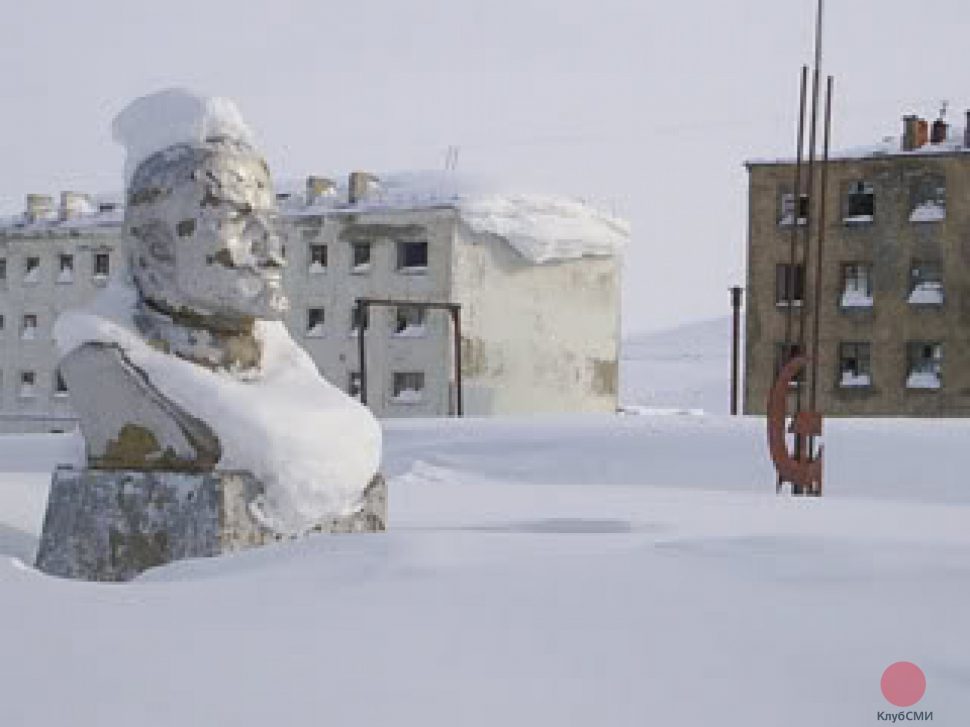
(353,384)
(314,322)
(102,265)
(787,212)
(359,314)
(3,269)
(925,283)
(860,203)
(856,285)
(409,321)
(408,387)
(28,388)
(1,325)
(854,367)
(789,284)
(65,268)
(928,199)
(412,256)
(28,330)
(60,386)
(785,353)
(31,269)
(925,361)
(318,258)
(361,261)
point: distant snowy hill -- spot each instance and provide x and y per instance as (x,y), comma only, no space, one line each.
(686,368)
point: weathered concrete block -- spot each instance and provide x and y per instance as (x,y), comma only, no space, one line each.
(106,525)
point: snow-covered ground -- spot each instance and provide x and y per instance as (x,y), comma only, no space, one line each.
(600,570)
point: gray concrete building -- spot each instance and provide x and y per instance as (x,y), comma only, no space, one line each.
(537,335)
(894,312)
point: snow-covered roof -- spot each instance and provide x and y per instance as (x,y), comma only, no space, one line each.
(890,146)
(541,227)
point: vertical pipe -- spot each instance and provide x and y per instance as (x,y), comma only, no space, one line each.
(797,186)
(456,319)
(821,244)
(735,344)
(361,357)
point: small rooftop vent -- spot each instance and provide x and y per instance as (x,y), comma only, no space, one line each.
(74,205)
(318,188)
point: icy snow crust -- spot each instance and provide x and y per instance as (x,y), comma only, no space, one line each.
(314,448)
(174,116)
(542,228)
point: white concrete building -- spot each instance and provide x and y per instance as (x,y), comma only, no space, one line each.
(537,281)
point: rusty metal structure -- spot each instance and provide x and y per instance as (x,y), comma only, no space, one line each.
(801,467)
(454,309)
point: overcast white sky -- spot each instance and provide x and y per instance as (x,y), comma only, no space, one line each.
(644,106)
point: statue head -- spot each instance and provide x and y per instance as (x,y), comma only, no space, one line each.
(200,226)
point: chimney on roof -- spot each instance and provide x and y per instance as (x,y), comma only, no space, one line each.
(910,132)
(940,130)
(360,185)
(74,205)
(966,133)
(39,207)
(317,187)
(922,133)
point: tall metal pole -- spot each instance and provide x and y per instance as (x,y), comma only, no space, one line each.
(735,344)
(361,354)
(456,319)
(821,244)
(797,186)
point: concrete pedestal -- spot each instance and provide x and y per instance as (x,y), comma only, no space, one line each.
(111,525)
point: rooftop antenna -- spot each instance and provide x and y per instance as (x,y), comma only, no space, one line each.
(451,158)
(944,107)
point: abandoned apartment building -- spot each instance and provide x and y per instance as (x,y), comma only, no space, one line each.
(894,311)
(536,335)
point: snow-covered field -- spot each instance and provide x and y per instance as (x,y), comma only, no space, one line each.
(603,570)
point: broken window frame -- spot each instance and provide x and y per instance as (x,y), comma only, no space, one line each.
(315,315)
(406,259)
(400,381)
(782,278)
(927,274)
(855,358)
(408,315)
(786,216)
(928,189)
(317,254)
(101,265)
(360,257)
(924,357)
(860,203)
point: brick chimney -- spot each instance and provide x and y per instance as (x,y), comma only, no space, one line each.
(922,133)
(911,132)
(939,132)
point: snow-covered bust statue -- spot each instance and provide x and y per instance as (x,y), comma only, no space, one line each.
(185,366)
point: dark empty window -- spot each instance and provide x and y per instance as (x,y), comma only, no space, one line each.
(861,203)
(854,364)
(789,284)
(3,268)
(65,268)
(60,386)
(314,322)
(31,269)
(409,319)
(28,330)
(361,256)
(318,258)
(102,264)
(1,324)
(412,255)
(408,385)
(27,381)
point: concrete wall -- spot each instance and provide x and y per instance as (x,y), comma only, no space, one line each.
(889,243)
(45,298)
(536,338)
